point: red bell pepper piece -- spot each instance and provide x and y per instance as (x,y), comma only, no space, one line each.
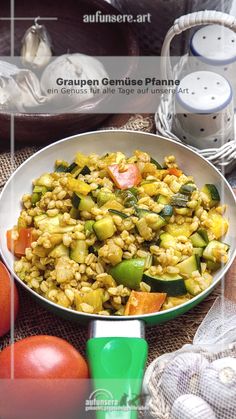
(18,246)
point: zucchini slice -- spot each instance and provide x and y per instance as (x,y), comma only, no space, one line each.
(88,227)
(197,240)
(115,212)
(59,251)
(85,171)
(212,192)
(129,197)
(209,251)
(204,235)
(173,285)
(158,223)
(94,249)
(82,202)
(103,197)
(74,213)
(198,251)
(187,189)
(79,251)
(167,240)
(162,199)
(167,212)
(179,200)
(72,168)
(190,265)
(153,161)
(213,266)
(61,167)
(104,228)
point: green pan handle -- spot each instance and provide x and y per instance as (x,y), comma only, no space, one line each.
(117,366)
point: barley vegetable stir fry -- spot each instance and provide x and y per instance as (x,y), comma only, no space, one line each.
(119,235)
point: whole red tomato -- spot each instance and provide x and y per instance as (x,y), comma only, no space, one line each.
(49,373)
(5,300)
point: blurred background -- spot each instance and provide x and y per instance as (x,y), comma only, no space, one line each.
(164,12)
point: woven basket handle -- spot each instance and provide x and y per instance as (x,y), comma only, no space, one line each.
(189,21)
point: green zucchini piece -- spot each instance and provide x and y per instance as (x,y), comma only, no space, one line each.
(51,224)
(173,285)
(94,249)
(198,251)
(79,251)
(187,189)
(190,265)
(85,171)
(129,197)
(167,240)
(129,272)
(35,197)
(179,200)
(39,218)
(40,189)
(196,285)
(213,266)
(103,197)
(141,212)
(76,198)
(197,240)
(208,253)
(166,212)
(204,235)
(104,228)
(74,213)
(61,168)
(134,191)
(162,199)
(82,202)
(86,203)
(72,168)
(45,180)
(212,192)
(88,227)
(153,161)
(158,223)
(121,214)
(59,251)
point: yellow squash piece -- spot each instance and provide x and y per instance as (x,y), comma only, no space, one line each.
(178,229)
(151,189)
(81,159)
(79,186)
(113,204)
(219,225)
(94,298)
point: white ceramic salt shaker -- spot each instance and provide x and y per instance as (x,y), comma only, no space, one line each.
(204,115)
(214,47)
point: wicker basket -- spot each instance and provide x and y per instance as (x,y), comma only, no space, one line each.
(163,13)
(224,158)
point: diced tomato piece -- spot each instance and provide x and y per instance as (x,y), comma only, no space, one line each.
(128,178)
(24,240)
(175,172)
(10,241)
(144,302)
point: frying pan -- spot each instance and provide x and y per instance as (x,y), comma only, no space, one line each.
(116,349)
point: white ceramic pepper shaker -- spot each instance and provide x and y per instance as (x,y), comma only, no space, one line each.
(214,47)
(204,115)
